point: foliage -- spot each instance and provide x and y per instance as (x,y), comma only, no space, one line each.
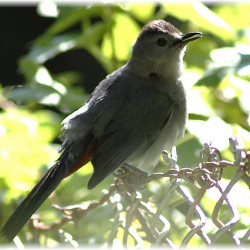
(216,72)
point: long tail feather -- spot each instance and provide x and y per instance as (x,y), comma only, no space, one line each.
(33,201)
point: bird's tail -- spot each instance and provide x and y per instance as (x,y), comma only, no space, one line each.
(74,155)
(33,201)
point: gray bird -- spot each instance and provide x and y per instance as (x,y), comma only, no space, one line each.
(132,115)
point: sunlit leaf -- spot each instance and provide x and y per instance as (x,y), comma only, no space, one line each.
(214,76)
(234,196)
(244,64)
(117,44)
(226,56)
(225,61)
(235,13)
(244,134)
(69,17)
(243,89)
(36,92)
(214,130)
(93,34)
(24,145)
(201,17)
(142,11)
(44,50)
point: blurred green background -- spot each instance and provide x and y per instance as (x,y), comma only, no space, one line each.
(99,38)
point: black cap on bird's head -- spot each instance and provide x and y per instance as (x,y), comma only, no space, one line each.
(160,48)
(161,26)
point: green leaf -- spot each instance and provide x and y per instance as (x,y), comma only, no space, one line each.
(226,56)
(118,43)
(44,50)
(142,11)
(28,68)
(24,145)
(73,100)
(186,149)
(202,17)
(244,64)
(236,14)
(36,92)
(69,17)
(226,61)
(214,130)
(214,76)
(92,35)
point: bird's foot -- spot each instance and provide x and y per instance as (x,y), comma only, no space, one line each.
(131,177)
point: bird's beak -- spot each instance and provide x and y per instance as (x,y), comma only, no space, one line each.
(186,38)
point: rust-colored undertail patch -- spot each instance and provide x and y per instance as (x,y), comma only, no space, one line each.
(84,159)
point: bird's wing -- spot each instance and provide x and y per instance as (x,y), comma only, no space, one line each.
(133,127)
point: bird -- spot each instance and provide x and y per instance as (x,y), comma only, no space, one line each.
(131,116)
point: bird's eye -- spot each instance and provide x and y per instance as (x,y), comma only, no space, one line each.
(161,41)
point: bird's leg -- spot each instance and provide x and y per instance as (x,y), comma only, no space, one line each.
(134,169)
(131,177)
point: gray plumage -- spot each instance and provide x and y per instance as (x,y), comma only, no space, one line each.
(133,114)
(139,109)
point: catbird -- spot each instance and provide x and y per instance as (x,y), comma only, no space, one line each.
(132,115)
